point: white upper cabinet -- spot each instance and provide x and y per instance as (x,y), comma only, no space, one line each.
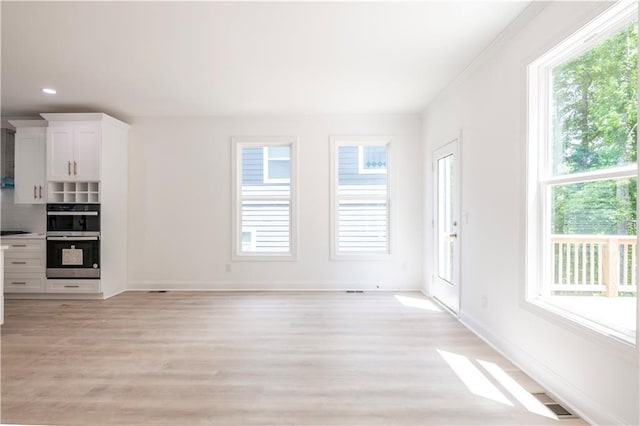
(86,163)
(73,148)
(30,145)
(59,153)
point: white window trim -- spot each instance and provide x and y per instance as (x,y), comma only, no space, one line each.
(540,179)
(237,143)
(335,142)
(364,171)
(265,166)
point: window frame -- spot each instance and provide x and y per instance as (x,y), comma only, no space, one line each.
(265,166)
(539,176)
(364,171)
(335,142)
(237,143)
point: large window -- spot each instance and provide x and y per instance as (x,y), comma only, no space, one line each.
(582,209)
(360,197)
(264,198)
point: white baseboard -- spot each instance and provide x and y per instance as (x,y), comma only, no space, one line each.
(53,296)
(150,285)
(588,409)
(108,296)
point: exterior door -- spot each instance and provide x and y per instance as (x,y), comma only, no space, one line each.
(446,214)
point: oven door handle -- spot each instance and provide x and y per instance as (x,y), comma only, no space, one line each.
(73,239)
(72,213)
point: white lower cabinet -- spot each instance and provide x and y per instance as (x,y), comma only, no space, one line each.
(73,286)
(24,283)
(25,263)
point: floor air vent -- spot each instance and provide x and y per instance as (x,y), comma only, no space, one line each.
(355,291)
(556,408)
(158,291)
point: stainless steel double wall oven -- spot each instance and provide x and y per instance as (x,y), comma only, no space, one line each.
(73,241)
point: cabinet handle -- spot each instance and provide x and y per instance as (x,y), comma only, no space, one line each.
(18,263)
(69,168)
(35,193)
(18,245)
(71,286)
(40,191)
(75,168)
(18,283)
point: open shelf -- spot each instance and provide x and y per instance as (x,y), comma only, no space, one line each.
(74,192)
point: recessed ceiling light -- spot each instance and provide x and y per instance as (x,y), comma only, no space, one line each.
(49,91)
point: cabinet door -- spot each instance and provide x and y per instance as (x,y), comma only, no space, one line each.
(40,173)
(60,153)
(86,166)
(30,163)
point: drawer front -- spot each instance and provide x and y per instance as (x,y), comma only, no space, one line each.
(24,263)
(73,286)
(16,246)
(24,283)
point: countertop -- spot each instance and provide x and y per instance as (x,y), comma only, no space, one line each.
(33,236)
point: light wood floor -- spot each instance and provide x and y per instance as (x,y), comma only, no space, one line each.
(246,358)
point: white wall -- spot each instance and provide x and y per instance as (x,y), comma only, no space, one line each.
(594,374)
(180,212)
(21,217)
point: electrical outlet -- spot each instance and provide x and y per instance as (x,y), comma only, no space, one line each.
(484,301)
(227,267)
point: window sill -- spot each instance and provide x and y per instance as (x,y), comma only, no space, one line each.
(587,328)
(264,258)
(361,257)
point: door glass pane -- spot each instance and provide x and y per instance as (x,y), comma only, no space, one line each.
(446,231)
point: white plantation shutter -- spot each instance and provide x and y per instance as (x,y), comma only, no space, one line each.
(264,204)
(362,201)
(269,222)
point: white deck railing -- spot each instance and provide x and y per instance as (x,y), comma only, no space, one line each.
(594,263)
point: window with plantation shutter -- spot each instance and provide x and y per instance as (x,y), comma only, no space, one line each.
(264,198)
(360,197)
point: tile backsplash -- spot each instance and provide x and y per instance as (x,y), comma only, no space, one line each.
(21,217)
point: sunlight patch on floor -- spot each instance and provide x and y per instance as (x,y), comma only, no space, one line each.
(473,378)
(414,302)
(480,384)
(525,398)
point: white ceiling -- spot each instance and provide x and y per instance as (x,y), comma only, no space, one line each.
(191,59)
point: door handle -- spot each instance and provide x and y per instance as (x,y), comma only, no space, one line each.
(35,194)
(40,188)
(453,235)
(75,168)
(69,168)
